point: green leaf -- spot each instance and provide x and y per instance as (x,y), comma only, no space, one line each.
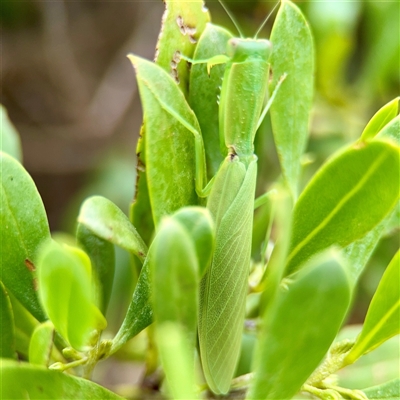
(41,344)
(359,252)
(66,291)
(205,89)
(392,130)
(140,311)
(102,257)
(9,138)
(300,326)
(381,119)
(177,360)
(182,25)
(175,276)
(26,381)
(274,272)
(383,316)
(7,329)
(387,391)
(24,228)
(346,199)
(175,282)
(199,224)
(171,171)
(24,324)
(108,222)
(293,54)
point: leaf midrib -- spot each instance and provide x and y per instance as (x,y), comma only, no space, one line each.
(374,166)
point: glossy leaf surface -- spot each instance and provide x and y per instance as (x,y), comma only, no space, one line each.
(66,291)
(107,221)
(35,382)
(169,144)
(346,199)
(140,311)
(381,119)
(392,130)
(292,54)
(387,391)
(7,329)
(175,282)
(300,326)
(360,251)
(9,138)
(102,257)
(41,344)
(199,224)
(383,316)
(182,25)
(24,228)
(174,271)
(205,89)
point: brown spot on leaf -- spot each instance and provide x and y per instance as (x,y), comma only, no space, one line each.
(35,284)
(186,30)
(29,264)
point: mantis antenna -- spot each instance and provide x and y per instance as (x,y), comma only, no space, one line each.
(232,18)
(265,20)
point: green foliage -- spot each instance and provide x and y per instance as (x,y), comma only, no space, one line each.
(383,317)
(7,339)
(298,327)
(328,210)
(292,40)
(66,291)
(271,321)
(19,379)
(24,228)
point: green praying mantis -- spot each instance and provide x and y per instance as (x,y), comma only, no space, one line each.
(230,194)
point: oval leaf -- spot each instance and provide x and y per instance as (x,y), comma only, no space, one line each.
(381,119)
(299,327)
(383,316)
(391,131)
(66,291)
(9,138)
(41,344)
(292,54)
(24,228)
(35,382)
(177,360)
(345,200)
(174,269)
(387,391)
(171,171)
(175,281)
(107,221)
(7,329)
(102,257)
(140,311)
(182,25)
(199,224)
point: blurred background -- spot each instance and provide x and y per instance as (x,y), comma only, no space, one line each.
(71,92)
